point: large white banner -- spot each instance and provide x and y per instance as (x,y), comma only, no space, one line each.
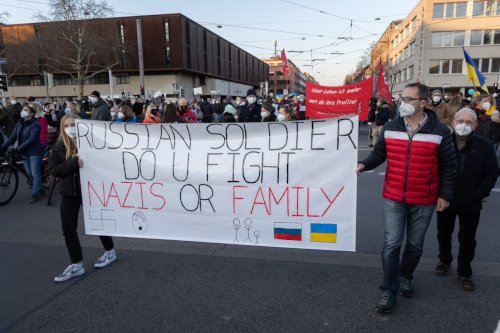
(264,184)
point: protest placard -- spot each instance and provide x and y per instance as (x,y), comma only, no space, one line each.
(263,184)
(328,102)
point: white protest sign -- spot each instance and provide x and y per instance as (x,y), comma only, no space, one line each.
(288,184)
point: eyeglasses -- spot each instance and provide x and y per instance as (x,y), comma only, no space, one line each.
(408,99)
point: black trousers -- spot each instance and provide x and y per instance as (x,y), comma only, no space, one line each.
(468,222)
(70,206)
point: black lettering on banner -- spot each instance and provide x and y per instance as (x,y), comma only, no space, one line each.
(126,127)
(130,164)
(287,165)
(93,136)
(233,168)
(167,137)
(183,194)
(205,198)
(186,142)
(182,164)
(345,134)
(146,126)
(297,135)
(151,163)
(246,140)
(230,139)
(117,133)
(243,168)
(313,134)
(277,167)
(80,127)
(208,161)
(275,136)
(213,133)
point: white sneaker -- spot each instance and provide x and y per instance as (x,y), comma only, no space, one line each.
(70,272)
(107,258)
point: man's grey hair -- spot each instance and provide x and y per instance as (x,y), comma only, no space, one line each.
(466,110)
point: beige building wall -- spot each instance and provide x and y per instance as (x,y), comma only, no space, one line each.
(416,65)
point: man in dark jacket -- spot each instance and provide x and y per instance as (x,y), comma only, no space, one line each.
(13,113)
(419,178)
(251,111)
(477,172)
(100,110)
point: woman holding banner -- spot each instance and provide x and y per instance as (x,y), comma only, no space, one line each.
(65,165)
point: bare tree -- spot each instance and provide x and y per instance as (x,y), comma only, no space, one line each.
(73,44)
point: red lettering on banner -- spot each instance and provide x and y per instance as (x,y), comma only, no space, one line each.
(308,201)
(236,198)
(331,202)
(126,196)
(102,201)
(263,202)
(297,188)
(142,195)
(271,194)
(112,188)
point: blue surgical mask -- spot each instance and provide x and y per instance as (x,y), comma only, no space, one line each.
(67,111)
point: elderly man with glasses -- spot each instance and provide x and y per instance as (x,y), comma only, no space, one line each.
(419,179)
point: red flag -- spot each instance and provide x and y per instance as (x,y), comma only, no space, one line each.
(383,87)
(284,63)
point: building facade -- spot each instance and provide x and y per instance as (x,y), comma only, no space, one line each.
(179,55)
(427,45)
(279,83)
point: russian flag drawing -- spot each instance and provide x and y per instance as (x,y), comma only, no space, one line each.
(288,231)
(323,233)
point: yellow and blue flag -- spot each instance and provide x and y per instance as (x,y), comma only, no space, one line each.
(324,233)
(473,73)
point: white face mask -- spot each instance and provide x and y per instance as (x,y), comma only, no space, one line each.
(406,110)
(24,114)
(121,115)
(281,117)
(70,131)
(251,100)
(463,129)
(264,114)
(495,95)
(13,101)
(113,114)
(94,100)
(436,99)
(486,106)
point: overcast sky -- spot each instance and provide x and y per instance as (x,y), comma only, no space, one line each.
(321,26)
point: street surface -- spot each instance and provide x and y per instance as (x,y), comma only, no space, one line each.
(169,286)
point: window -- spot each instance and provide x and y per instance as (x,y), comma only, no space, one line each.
(478,8)
(489,8)
(456,66)
(168,56)
(496,39)
(167,32)
(475,37)
(485,65)
(122,79)
(434,67)
(461,9)
(448,38)
(414,23)
(498,7)
(449,10)
(445,66)
(495,65)
(487,37)
(406,32)
(410,73)
(412,48)
(438,10)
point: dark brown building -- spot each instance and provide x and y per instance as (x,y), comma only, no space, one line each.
(179,55)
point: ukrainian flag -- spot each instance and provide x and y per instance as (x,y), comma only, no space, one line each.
(323,233)
(473,73)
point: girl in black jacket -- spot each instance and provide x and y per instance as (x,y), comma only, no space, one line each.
(65,165)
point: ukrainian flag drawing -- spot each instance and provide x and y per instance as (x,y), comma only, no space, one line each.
(473,73)
(323,233)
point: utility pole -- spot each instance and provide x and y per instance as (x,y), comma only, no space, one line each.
(141,56)
(110,74)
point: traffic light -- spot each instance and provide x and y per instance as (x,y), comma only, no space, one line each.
(3,82)
(142,90)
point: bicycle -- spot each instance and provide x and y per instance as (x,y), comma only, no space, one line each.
(9,178)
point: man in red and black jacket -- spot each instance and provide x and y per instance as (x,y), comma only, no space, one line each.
(419,178)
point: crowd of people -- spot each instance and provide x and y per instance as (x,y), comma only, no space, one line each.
(439,150)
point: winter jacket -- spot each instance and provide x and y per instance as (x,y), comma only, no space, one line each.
(443,112)
(383,115)
(151,119)
(66,170)
(27,135)
(129,120)
(100,111)
(44,128)
(477,172)
(250,113)
(420,168)
(486,127)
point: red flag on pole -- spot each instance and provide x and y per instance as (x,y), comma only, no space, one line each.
(284,63)
(383,87)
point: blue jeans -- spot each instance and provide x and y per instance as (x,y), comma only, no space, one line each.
(397,218)
(32,165)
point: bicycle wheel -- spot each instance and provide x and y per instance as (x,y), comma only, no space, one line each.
(9,181)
